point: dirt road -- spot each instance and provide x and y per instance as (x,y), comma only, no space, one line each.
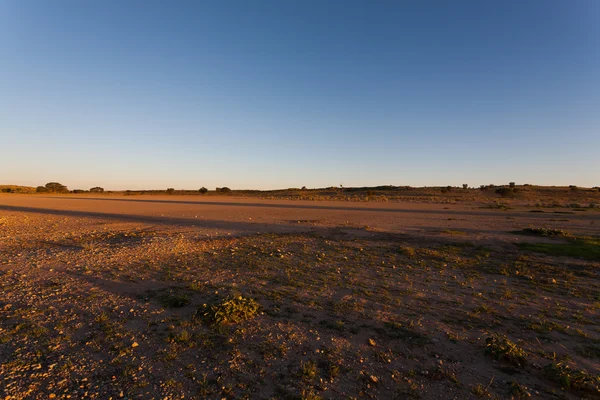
(231,215)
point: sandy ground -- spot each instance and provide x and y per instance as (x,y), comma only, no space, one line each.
(110,297)
(231,215)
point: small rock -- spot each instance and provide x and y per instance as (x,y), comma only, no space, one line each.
(372,342)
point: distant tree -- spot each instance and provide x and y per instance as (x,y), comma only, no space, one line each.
(41,189)
(97,189)
(56,187)
(225,189)
(573,187)
(465,186)
(7,190)
(203,190)
(304,188)
(170,190)
(511,184)
(483,187)
(78,191)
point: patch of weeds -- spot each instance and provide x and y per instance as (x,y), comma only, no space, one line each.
(397,331)
(182,336)
(544,326)
(309,395)
(501,348)
(102,317)
(578,247)
(589,350)
(484,308)
(453,232)
(408,251)
(480,391)
(438,373)
(569,378)
(545,232)
(195,286)
(519,391)
(334,371)
(337,325)
(308,369)
(173,298)
(232,310)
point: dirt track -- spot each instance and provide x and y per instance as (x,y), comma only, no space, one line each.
(231,215)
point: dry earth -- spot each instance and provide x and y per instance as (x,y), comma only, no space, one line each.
(139,297)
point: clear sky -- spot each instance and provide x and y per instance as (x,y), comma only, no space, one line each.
(269,94)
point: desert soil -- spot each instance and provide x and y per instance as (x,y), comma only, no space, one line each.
(110,297)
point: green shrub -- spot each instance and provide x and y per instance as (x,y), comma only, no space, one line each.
(232,310)
(56,187)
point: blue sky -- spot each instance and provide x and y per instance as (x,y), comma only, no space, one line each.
(270,94)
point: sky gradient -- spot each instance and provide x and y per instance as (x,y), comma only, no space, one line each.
(274,94)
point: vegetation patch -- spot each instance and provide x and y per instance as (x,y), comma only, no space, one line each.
(585,248)
(591,351)
(232,310)
(501,348)
(570,378)
(174,298)
(545,232)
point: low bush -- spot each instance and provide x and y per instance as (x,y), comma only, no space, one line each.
(232,310)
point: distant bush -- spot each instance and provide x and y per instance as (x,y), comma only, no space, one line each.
(170,190)
(203,190)
(303,188)
(97,189)
(573,188)
(224,189)
(511,185)
(78,191)
(465,186)
(55,187)
(41,189)
(7,190)
(507,191)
